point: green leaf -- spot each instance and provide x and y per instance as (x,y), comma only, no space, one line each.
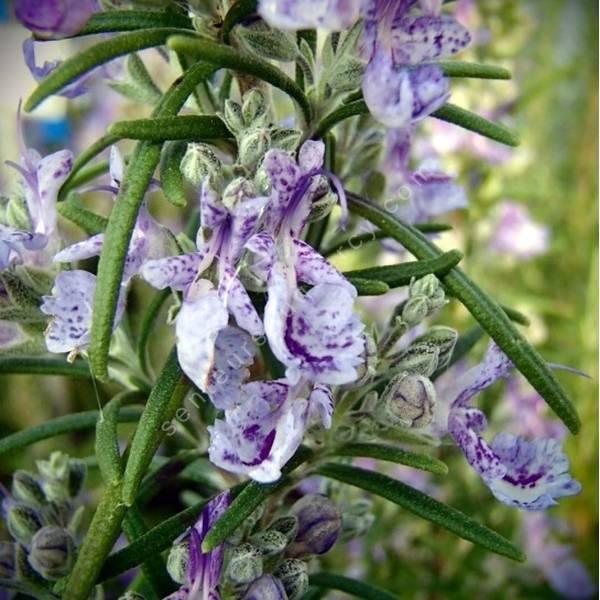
(368,287)
(457,68)
(395,455)
(61,425)
(90,222)
(131,20)
(122,220)
(107,442)
(403,273)
(345,111)
(94,56)
(484,308)
(515,315)
(423,506)
(171,178)
(166,397)
(148,319)
(247,501)
(225,57)
(156,540)
(189,127)
(43,366)
(473,122)
(359,589)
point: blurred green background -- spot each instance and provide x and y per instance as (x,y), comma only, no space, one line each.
(552,48)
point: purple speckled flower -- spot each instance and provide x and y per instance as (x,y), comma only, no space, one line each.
(204,568)
(557,562)
(205,310)
(421,194)
(54,19)
(517,235)
(333,15)
(526,475)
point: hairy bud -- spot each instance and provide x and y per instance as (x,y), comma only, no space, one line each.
(287,525)
(200,162)
(177,561)
(23,522)
(254,109)
(417,359)
(293,574)
(357,519)
(26,488)
(52,552)
(270,542)
(442,338)
(233,118)
(407,401)
(252,146)
(245,564)
(319,524)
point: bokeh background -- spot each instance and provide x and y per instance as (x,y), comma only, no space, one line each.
(550,273)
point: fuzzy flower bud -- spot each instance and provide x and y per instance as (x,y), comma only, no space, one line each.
(357,519)
(23,522)
(245,565)
(293,574)
(177,561)
(415,310)
(254,109)
(237,191)
(287,525)
(253,145)
(266,588)
(442,338)
(26,488)
(52,552)
(407,401)
(319,524)
(199,163)
(233,117)
(270,542)
(417,359)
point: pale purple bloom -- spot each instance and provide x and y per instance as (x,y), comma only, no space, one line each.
(205,310)
(54,19)
(527,475)
(565,574)
(422,194)
(204,568)
(333,15)
(517,235)
(266,587)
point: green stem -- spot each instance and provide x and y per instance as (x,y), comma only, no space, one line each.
(112,21)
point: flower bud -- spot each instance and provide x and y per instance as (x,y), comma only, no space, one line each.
(442,338)
(293,574)
(357,519)
(270,543)
(177,561)
(7,560)
(320,207)
(200,162)
(77,472)
(254,109)
(407,401)
(266,588)
(417,359)
(319,524)
(17,215)
(233,117)
(237,191)
(425,286)
(253,145)
(23,522)
(245,564)
(52,552)
(26,488)
(415,310)
(287,525)
(285,139)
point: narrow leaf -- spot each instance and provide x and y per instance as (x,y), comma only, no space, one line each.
(131,20)
(166,397)
(107,442)
(473,122)
(148,319)
(402,274)
(368,287)
(515,315)
(189,127)
(122,220)
(247,501)
(171,178)
(484,308)
(423,506)
(62,425)
(224,56)
(358,589)
(457,68)
(236,14)
(90,222)
(395,455)
(94,56)
(352,109)
(43,366)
